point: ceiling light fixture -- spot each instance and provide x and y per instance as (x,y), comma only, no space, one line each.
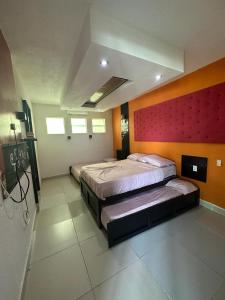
(104,63)
(106,89)
(82,113)
(96,96)
(158,77)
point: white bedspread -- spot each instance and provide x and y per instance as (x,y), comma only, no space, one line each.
(113,178)
(75,170)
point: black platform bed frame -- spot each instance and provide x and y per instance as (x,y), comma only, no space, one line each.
(95,204)
(121,229)
(128,226)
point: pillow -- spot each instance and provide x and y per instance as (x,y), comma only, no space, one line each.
(156,160)
(182,186)
(136,156)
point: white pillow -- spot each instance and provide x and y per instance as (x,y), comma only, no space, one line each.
(182,186)
(136,156)
(157,160)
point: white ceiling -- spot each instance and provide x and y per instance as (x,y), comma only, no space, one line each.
(132,54)
(43,35)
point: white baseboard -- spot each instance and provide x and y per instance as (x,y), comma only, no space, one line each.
(21,296)
(212,207)
(55,176)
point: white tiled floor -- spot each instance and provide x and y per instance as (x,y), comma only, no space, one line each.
(52,239)
(183,258)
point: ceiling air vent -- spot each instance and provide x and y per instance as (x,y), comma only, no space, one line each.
(110,86)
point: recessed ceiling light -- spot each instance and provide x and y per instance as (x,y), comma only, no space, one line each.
(96,96)
(158,77)
(104,62)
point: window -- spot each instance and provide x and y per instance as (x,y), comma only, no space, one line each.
(79,125)
(55,125)
(98,125)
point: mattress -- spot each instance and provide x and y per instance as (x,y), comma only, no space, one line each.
(113,178)
(137,203)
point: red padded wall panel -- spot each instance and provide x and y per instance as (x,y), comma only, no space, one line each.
(198,117)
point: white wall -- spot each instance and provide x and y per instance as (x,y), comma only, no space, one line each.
(15,241)
(56,153)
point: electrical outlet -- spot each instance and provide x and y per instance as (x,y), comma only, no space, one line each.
(1,197)
(195,168)
(2,194)
(219,162)
(12,126)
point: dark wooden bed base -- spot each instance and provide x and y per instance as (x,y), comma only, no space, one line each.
(128,226)
(95,204)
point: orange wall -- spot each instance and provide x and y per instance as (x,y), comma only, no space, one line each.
(214,190)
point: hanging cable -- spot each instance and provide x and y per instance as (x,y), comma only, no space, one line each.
(23,194)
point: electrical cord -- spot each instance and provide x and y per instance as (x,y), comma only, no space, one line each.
(23,194)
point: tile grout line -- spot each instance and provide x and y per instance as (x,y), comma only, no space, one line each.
(36,230)
(55,253)
(113,275)
(84,261)
(192,252)
(42,227)
(78,243)
(164,291)
(116,273)
(212,230)
(89,277)
(71,246)
(153,277)
(92,288)
(173,235)
(55,205)
(91,291)
(48,256)
(214,294)
(126,267)
(110,277)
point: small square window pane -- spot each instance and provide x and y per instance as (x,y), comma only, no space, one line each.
(98,122)
(98,126)
(98,129)
(79,125)
(79,129)
(55,126)
(81,122)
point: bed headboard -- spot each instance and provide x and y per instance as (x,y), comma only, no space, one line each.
(194,167)
(197,117)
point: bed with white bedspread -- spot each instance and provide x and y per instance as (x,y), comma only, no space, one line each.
(106,183)
(113,178)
